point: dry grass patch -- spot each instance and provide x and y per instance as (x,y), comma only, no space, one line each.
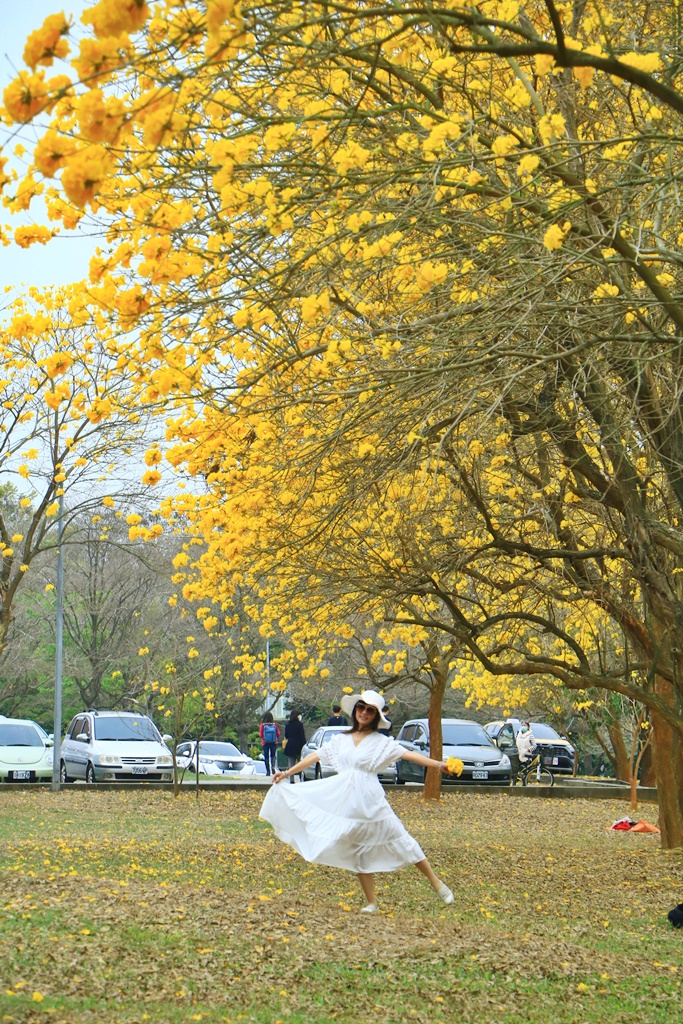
(132,907)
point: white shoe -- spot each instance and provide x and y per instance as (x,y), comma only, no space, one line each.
(370,909)
(445,894)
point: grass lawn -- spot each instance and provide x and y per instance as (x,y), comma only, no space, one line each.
(133,907)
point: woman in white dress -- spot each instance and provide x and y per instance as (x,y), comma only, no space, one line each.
(345,821)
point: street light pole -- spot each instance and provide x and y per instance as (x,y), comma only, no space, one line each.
(59,633)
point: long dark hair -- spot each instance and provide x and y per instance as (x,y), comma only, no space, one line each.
(268,717)
(294,716)
(355,727)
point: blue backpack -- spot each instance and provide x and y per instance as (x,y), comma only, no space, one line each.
(269,733)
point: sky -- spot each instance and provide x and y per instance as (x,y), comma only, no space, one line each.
(66,258)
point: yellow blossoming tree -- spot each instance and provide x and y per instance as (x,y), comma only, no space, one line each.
(68,415)
(362,244)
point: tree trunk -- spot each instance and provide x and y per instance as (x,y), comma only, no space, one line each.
(634,793)
(432,788)
(647,767)
(622,761)
(668,761)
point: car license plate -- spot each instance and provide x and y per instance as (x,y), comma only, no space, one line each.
(480,775)
(21,775)
(139,770)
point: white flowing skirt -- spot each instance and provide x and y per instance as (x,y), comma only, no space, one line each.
(344,822)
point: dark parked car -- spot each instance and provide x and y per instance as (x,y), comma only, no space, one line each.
(482,760)
(555,752)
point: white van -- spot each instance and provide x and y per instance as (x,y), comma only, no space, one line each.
(112,746)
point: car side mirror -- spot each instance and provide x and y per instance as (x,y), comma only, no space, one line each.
(49,742)
(504,743)
(313,746)
(421,744)
(166,738)
(83,737)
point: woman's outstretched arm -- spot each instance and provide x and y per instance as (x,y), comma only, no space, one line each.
(428,762)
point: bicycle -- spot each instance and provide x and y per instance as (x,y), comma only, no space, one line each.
(536,774)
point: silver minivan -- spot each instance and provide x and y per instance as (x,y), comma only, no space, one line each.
(112,746)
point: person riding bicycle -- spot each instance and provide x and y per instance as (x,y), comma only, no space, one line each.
(526,744)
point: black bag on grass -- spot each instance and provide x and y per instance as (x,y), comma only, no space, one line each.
(676,916)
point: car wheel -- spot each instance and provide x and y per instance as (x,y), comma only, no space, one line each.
(64,776)
(90,774)
(318,771)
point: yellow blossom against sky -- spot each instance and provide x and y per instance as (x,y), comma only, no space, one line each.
(67,258)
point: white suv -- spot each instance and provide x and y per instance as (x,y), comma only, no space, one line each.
(111,746)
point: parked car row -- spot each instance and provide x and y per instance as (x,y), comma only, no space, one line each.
(108,746)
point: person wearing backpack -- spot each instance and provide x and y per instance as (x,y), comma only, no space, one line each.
(269,732)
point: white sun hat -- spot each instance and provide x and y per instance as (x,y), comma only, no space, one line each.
(371,697)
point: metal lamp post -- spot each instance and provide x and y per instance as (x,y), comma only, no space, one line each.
(59,632)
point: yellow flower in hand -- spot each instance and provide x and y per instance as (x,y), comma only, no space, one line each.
(454,766)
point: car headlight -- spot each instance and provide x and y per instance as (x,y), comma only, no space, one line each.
(108,759)
(504,761)
(163,762)
(206,760)
(48,755)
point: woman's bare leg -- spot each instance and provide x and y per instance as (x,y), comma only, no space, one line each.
(368,885)
(426,868)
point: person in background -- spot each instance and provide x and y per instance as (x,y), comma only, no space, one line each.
(526,743)
(295,737)
(269,732)
(336,718)
(385,729)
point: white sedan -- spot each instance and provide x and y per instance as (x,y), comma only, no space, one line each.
(26,751)
(215,758)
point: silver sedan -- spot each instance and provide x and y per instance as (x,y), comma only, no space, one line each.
(323,771)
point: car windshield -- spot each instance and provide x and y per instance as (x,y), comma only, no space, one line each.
(328,735)
(543,732)
(224,749)
(19,736)
(126,729)
(465,735)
